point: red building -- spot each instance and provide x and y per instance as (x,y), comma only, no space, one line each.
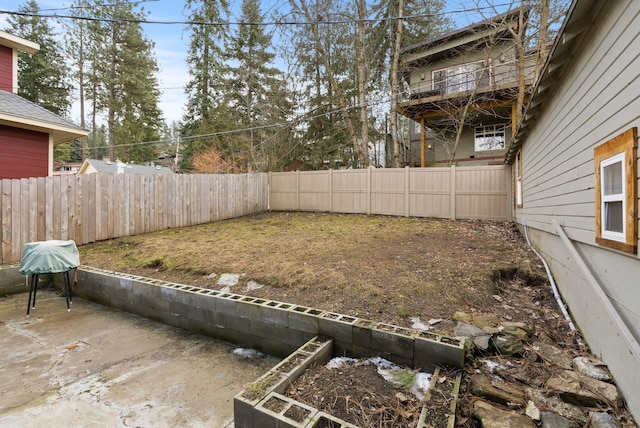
(28,132)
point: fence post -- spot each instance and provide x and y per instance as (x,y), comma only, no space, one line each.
(407,187)
(297,190)
(452,198)
(331,190)
(369,190)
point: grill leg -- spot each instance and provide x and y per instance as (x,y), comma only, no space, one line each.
(67,289)
(33,288)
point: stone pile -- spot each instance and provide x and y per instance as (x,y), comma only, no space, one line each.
(520,379)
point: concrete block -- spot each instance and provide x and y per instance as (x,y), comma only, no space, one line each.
(263,329)
(168,293)
(299,319)
(196,314)
(361,333)
(232,321)
(178,308)
(242,412)
(126,284)
(336,327)
(393,340)
(446,351)
(249,340)
(291,337)
(279,349)
(248,309)
(226,305)
(278,411)
(272,313)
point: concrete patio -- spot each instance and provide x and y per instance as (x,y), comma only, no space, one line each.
(98,366)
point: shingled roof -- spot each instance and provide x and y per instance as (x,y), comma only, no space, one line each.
(20,113)
(99,166)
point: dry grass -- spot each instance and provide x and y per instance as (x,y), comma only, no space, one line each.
(382,268)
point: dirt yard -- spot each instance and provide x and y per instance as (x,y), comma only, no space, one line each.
(404,271)
(389,269)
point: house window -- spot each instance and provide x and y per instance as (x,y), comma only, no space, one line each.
(616,192)
(463,77)
(489,138)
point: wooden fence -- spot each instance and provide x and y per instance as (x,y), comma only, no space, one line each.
(88,208)
(481,192)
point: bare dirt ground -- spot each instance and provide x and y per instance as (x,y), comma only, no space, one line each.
(388,269)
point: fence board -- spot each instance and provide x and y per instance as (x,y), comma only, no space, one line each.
(86,208)
(455,192)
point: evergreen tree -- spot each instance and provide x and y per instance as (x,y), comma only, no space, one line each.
(258,94)
(205,88)
(123,82)
(41,76)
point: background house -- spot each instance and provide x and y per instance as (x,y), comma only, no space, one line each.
(95,166)
(472,72)
(28,132)
(575,168)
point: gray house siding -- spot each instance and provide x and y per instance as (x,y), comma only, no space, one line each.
(596,98)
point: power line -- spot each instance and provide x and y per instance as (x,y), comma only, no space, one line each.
(262,23)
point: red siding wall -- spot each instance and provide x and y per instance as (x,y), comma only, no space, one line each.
(6,69)
(23,153)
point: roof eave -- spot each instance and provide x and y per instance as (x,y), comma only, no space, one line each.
(18,43)
(60,133)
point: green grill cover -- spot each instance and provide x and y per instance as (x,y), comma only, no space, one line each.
(49,257)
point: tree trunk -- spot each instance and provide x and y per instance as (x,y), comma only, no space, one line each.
(362,87)
(397,39)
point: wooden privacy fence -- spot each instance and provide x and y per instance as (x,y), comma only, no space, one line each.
(88,208)
(481,192)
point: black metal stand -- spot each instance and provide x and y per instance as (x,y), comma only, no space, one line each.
(33,289)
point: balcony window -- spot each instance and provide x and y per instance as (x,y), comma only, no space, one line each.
(462,77)
(489,138)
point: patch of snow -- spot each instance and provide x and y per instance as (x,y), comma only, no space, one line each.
(493,366)
(212,275)
(229,279)
(340,362)
(434,321)
(252,285)
(247,353)
(417,324)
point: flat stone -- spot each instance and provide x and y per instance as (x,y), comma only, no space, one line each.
(557,406)
(582,390)
(592,367)
(517,325)
(492,331)
(508,345)
(493,417)
(497,392)
(553,420)
(516,331)
(460,316)
(532,411)
(553,355)
(602,420)
(486,320)
(477,335)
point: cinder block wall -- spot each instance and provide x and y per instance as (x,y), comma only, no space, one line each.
(272,327)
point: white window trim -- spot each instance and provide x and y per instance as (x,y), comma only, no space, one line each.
(618,197)
(488,129)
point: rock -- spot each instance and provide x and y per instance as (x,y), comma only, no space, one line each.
(582,390)
(401,397)
(532,411)
(498,392)
(460,316)
(593,368)
(602,420)
(478,336)
(491,331)
(553,355)
(493,417)
(486,320)
(508,345)
(555,404)
(553,420)
(519,330)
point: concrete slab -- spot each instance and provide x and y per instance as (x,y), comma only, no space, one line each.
(97,366)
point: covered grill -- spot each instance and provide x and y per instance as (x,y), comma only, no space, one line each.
(48,257)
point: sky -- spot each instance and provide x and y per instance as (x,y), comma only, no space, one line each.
(171,41)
